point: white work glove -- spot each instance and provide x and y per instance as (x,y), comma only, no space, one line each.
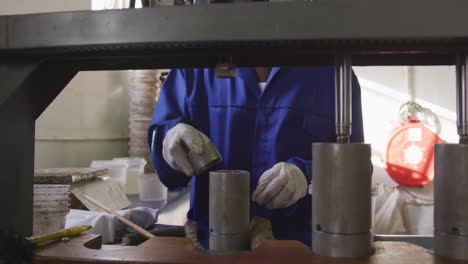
(280,187)
(179,141)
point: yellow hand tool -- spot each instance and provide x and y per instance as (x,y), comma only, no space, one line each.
(68,232)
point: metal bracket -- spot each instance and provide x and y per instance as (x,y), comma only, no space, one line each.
(27,88)
(225,69)
(343,98)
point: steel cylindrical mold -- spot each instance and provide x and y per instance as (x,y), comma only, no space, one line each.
(451,200)
(229,243)
(342,246)
(341,197)
(341,187)
(462,96)
(229,215)
(451,246)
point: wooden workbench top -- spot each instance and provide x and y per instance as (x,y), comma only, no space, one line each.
(180,250)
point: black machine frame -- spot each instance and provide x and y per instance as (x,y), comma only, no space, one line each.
(41,53)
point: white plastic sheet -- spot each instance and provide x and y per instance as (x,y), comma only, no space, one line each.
(107,225)
(388,218)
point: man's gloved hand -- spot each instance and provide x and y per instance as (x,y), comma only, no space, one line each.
(179,141)
(280,187)
(260,230)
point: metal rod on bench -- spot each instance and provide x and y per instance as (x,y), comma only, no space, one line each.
(125,221)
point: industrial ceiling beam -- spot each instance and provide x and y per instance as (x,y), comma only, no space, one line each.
(379,32)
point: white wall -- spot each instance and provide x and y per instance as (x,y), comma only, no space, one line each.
(89,119)
(385,89)
(10,7)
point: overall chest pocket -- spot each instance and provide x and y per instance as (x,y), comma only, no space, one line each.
(319,129)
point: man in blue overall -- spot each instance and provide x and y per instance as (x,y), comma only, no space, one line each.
(264,121)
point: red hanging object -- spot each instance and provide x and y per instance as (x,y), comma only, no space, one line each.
(409,158)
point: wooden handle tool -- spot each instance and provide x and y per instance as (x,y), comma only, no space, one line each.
(127,222)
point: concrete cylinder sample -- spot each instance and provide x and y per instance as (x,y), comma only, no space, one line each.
(229,215)
(204,161)
(341,199)
(451,201)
